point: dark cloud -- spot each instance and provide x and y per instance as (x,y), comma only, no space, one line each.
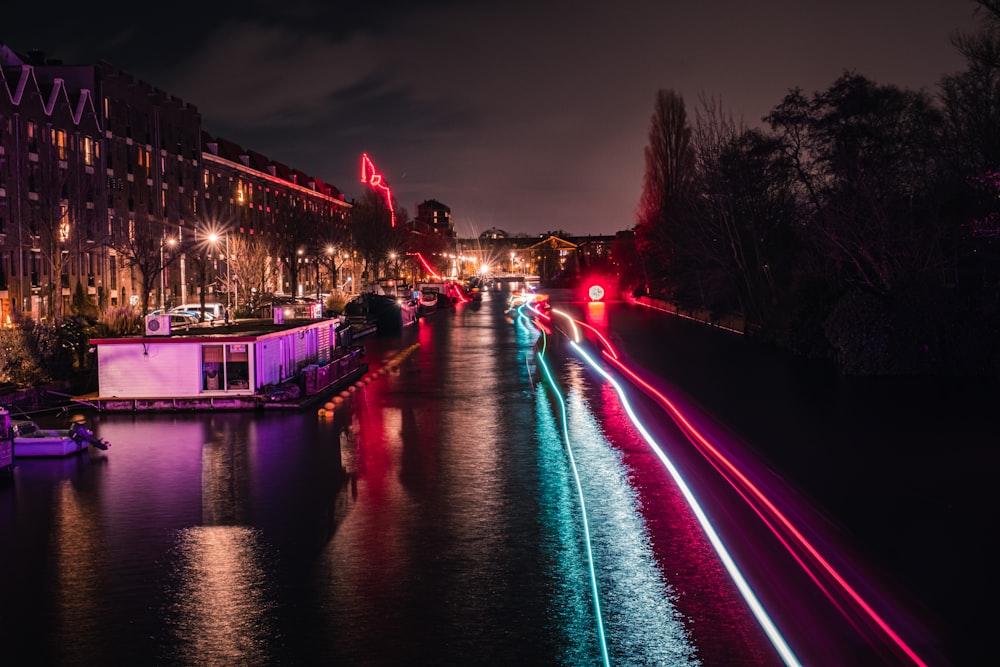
(523,115)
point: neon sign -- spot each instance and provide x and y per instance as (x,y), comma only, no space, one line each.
(596,292)
(371,177)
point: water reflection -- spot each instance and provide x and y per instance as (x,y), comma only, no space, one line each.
(223,475)
(77,542)
(221,607)
(428,522)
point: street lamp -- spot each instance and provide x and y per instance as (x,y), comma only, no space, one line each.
(213,238)
(163,271)
(298,266)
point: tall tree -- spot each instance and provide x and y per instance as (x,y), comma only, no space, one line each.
(971,101)
(867,158)
(745,213)
(373,233)
(666,191)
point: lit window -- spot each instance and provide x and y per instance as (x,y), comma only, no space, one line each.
(89,152)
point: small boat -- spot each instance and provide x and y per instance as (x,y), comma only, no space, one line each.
(32,440)
(429,298)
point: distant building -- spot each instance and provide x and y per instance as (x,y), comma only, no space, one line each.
(433,217)
(548,256)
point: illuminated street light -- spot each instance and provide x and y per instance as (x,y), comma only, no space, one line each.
(213,238)
(163,279)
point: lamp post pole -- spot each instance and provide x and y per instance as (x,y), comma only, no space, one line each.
(183,276)
(163,280)
(214,239)
(230,303)
(163,274)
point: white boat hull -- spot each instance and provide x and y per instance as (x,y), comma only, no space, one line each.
(32,441)
(47,445)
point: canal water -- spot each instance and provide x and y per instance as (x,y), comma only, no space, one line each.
(899,472)
(433,519)
(430,521)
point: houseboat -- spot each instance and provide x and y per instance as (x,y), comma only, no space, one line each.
(245,365)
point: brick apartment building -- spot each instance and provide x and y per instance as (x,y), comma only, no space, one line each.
(93,161)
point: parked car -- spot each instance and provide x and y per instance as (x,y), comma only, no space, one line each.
(182,320)
(216,310)
(196,314)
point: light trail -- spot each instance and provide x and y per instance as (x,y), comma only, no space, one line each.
(715,456)
(608,347)
(579,490)
(572,323)
(779,643)
(749,491)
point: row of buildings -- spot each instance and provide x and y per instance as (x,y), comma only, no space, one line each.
(103,177)
(92,159)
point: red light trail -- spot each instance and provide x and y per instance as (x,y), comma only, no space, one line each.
(774,519)
(831,582)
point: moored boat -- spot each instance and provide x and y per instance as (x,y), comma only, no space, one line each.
(30,440)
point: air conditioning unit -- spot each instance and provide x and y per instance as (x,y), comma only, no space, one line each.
(157,325)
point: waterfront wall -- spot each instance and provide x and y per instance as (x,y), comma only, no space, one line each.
(735,323)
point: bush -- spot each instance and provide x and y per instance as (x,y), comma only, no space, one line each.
(336,302)
(33,353)
(121,321)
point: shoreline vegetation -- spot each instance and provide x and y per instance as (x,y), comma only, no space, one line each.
(860,224)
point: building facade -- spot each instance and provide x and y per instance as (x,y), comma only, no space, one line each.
(109,186)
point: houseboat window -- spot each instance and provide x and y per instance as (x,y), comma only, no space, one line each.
(238,367)
(211,367)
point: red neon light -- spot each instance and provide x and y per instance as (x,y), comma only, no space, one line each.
(427,266)
(371,177)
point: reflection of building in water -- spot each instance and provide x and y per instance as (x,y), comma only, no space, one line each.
(223,611)
(224,475)
(77,543)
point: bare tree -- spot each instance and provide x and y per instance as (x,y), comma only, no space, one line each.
(666,184)
(745,213)
(254,269)
(144,252)
(54,220)
(372,231)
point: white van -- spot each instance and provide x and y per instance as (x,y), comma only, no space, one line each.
(216,310)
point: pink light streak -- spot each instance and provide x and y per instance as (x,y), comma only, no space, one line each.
(608,347)
(371,177)
(744,486)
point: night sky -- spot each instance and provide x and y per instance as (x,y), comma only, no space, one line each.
(530,116)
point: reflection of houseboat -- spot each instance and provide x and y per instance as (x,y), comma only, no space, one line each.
(240,366)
